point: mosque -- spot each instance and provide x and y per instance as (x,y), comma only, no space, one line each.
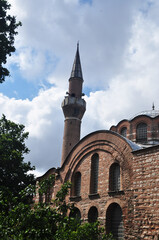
(114,173)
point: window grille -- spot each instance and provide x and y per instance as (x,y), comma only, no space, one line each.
(114,177)
(141,132)
(77,184)
(92,215)
(40,198)
(123,131)
(114,221)
(48,197)
(94,174)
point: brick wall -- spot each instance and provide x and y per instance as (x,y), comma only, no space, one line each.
(131,125)
(139,182)
(146,192)
(111,148)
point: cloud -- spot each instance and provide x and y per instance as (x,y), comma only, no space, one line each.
(135,87)
(43,119)
(103,29)
(119,48)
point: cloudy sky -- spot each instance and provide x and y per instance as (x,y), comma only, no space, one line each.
(119,50)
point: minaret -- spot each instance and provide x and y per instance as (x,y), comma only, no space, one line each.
(73,107)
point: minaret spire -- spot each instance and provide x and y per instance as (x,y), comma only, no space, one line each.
(76,69)
(73,107)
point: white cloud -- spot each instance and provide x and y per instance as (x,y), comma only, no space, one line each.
(119,46)
(102,28)
(44,120)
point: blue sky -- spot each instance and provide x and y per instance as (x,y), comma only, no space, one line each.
(86,1)
(17,87)
(119,50)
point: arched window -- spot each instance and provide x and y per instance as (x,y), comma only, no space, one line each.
(114,177)
(77,184)
(40,198)
(75,213)
(94,174)
(92,215)
(123,131)
(141,132)
(114,221)
(48,196)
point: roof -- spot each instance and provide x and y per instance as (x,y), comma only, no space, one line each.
(150,113)
(133,145)
(77,69)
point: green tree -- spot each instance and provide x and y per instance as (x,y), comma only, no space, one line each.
(19,218)
(8,26)
(47,221)
(14,175)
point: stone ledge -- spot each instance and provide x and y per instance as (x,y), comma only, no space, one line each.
(75,198)
(94,196)
(119,192)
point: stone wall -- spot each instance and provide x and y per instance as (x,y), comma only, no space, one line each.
(146,193)
(138,196)
(111,148)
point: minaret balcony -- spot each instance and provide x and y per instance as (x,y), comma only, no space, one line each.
(69,100)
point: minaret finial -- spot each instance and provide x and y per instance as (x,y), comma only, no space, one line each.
(153,106)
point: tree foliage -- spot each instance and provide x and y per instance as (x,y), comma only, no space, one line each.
(14,175)
(21,219)
(8,27)
(47,221)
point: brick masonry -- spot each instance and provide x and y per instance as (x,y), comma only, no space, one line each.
(131,125)
(139,176)
(146,192)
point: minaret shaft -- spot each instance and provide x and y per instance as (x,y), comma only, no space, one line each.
(73,107)
(72,126)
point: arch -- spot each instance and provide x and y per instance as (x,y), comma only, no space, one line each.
(75,213)
(94,142)
(123,131)
(77,184)
(92,214)
(40,198)
(48,197)
(94,174)
(114,177)
(141,132)
(114,221)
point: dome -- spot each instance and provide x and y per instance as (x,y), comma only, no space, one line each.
(150,113)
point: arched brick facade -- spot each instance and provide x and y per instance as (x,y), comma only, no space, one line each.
(131,126)
(111,148)
(138,194)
